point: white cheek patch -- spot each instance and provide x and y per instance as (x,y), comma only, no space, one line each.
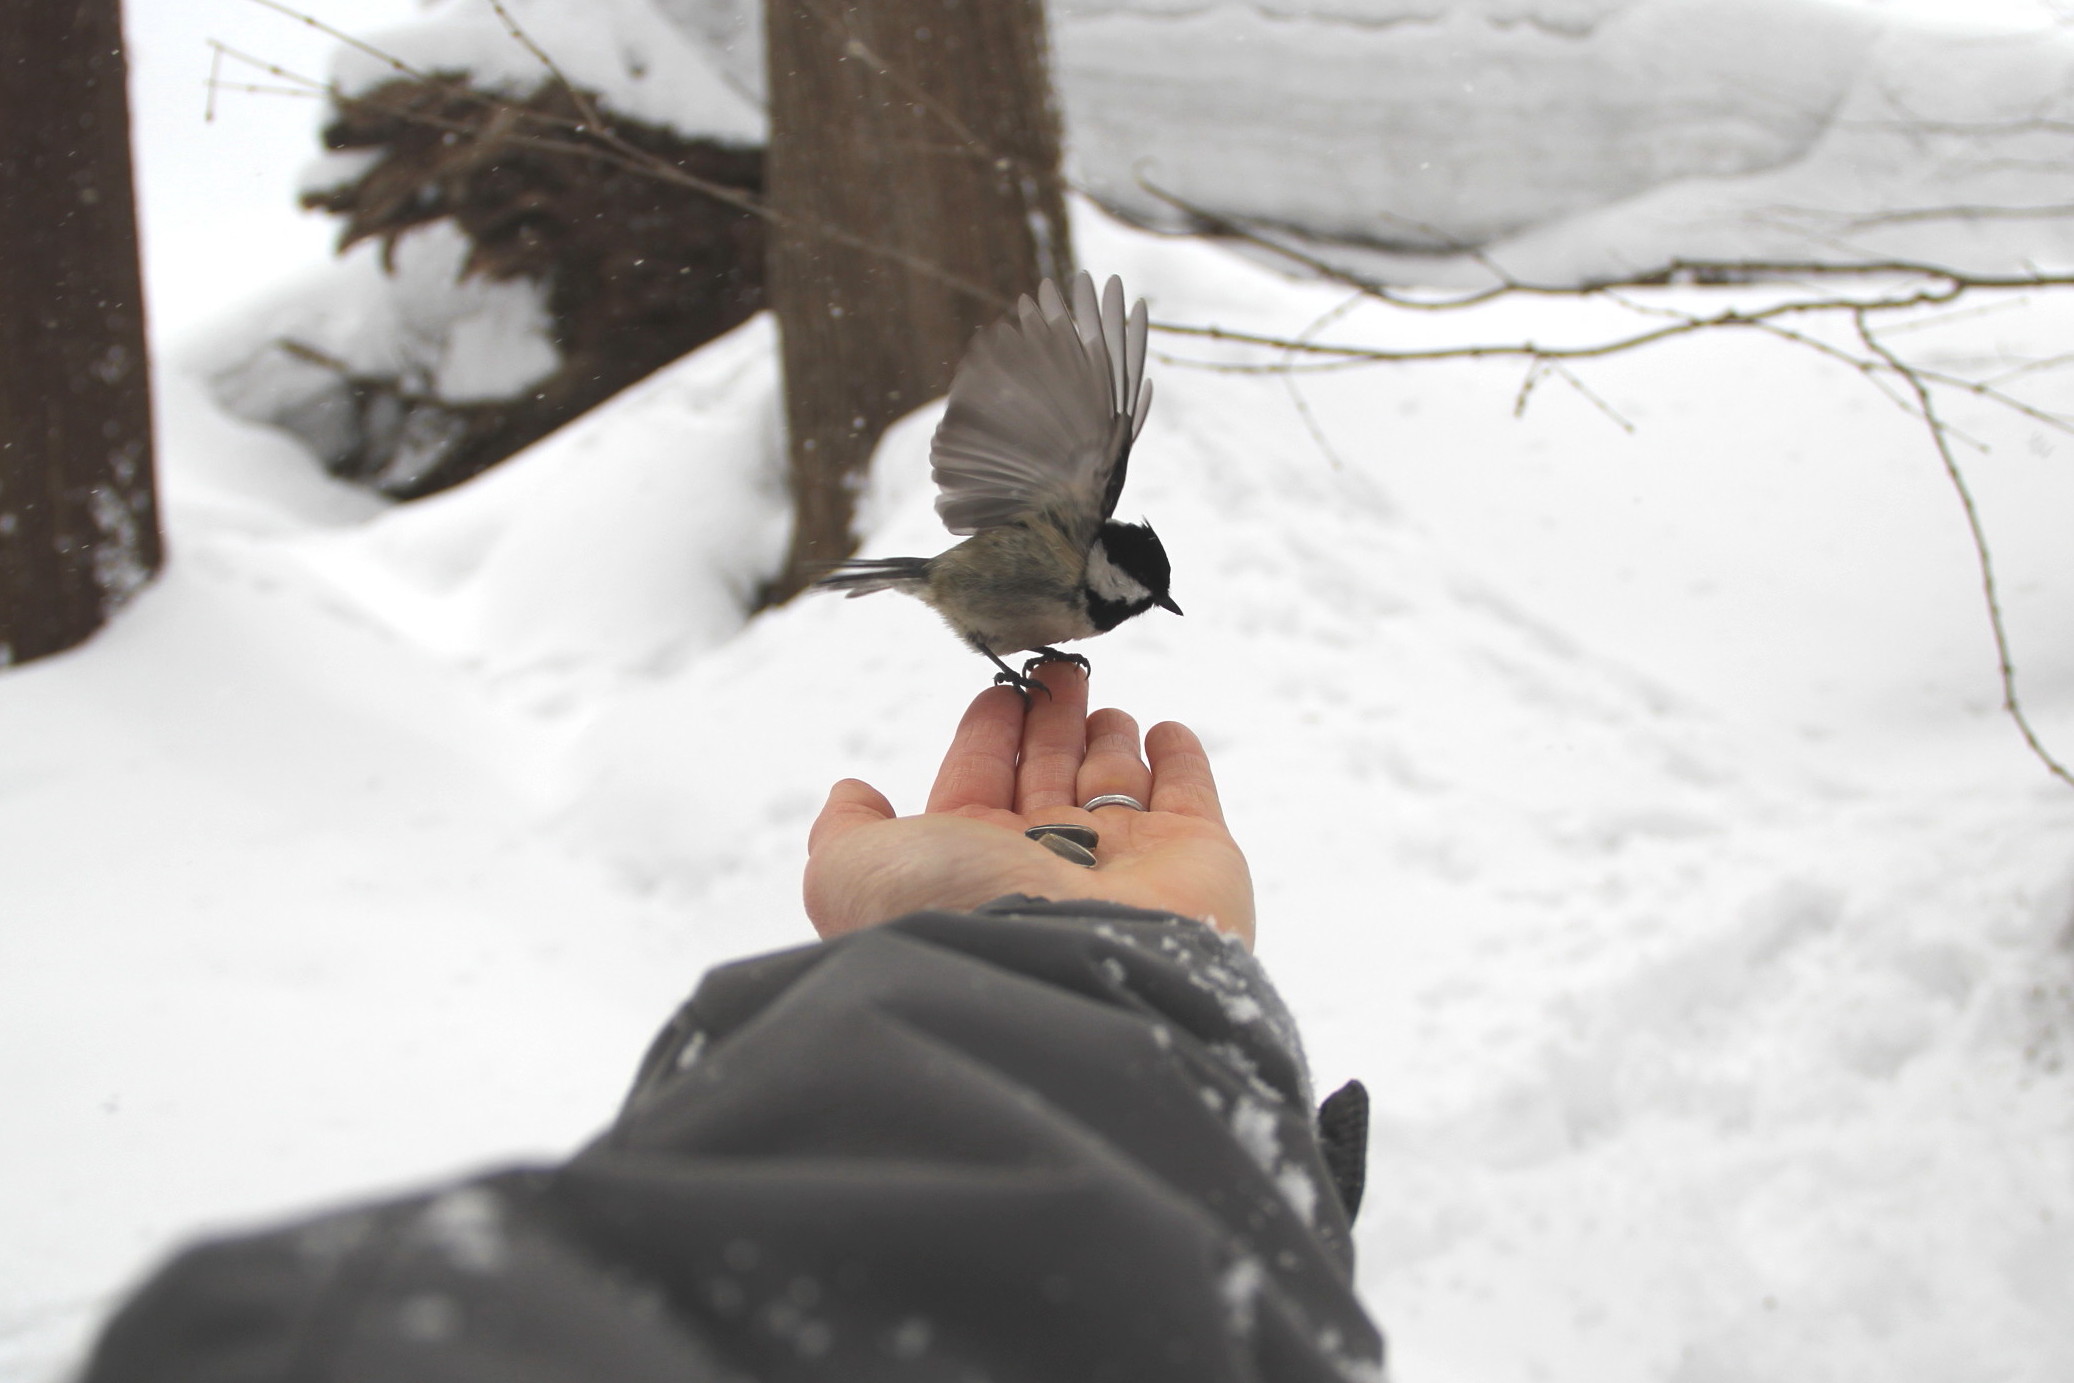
(1111,582)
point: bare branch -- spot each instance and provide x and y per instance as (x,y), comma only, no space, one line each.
(2029,367)
(585,107)
(256,89)
(2005,662)
(1570,378)
(343,37)
(1682,325)
(1913,215)
(1217,223)
(224,50)
(1296,394)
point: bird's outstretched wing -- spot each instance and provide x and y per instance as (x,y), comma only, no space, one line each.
(1042,413)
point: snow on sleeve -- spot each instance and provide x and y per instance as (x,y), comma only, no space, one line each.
(1257,1127)
(1240,1287)
(467,1226)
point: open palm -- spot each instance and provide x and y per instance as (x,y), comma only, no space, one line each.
(1010,768)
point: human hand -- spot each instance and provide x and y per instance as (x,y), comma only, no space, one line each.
(1010,768)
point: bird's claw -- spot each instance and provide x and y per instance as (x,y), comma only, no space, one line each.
(1053,655)
(1021,683)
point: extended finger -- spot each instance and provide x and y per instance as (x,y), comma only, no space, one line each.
(1181,778)
(979,767)
(1112,763)
(1054,740)
(851,803)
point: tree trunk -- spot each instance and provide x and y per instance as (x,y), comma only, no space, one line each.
(78,516)
(913,178)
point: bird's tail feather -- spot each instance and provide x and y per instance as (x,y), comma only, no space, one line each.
(863,575)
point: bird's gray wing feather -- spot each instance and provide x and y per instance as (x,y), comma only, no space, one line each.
(1042,412)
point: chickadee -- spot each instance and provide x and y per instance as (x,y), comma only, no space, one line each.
(1030,461)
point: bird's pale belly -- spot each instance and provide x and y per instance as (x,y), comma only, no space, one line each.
(1012,589)
(1024,630)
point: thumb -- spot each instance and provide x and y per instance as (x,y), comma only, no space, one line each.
(851,803)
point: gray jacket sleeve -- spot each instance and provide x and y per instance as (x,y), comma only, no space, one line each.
(1040,1141)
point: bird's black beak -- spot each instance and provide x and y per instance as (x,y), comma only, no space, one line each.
(1166,602)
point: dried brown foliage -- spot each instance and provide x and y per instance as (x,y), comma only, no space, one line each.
(639,269)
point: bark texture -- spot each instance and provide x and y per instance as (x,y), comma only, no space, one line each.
(913,180)
(78,516)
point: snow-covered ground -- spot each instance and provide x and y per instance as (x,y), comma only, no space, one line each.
(1632,810)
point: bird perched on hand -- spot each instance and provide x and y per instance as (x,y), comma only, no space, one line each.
(1030,460)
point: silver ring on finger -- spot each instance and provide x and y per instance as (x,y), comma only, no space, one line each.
(1113,799)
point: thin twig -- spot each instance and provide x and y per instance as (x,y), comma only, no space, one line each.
(1570,378)
(343,37)
(2004,661)
(257,89)
(1232,227)
(1345,354)
(1930,321)
(2027,125)
(585,109)
(1913,215)
(2050,362)
(224,50)
(1296,395)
